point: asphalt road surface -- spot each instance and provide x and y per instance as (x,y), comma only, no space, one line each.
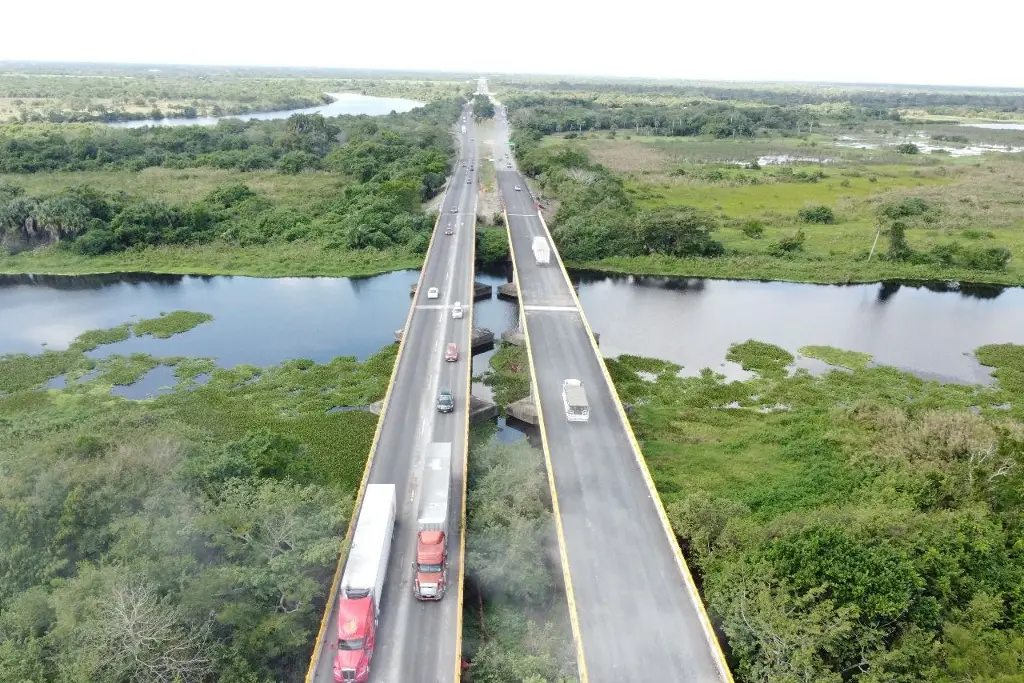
(636,618)
(416,641)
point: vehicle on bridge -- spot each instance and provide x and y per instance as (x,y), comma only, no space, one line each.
(362,584)
(432,537)
(449,230)
(457,310)
(455,209)
(577,409)
(518,188)
(541,251)
(445,401)
(432,293)
(451,352)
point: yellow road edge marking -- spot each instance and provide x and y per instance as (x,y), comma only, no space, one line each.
(709,631)
(315,657)
(570,597)
(465,458)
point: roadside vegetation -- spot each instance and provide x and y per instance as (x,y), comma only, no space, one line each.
(261,197)
(508,375)
(78,93)
(194,534)
(864,525)
(662,184)
(516,620)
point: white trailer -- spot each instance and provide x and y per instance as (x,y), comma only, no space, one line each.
(367,562)
(541,251)
(436,488)
(577,409)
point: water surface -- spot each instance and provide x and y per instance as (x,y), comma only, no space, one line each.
(345,103)
(930,331)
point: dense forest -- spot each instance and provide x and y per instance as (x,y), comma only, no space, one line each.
(939,100)
(388,166)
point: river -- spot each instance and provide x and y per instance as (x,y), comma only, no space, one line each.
(929,330)
(345,103)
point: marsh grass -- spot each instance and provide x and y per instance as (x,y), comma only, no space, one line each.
(837,357)
(729,439)
(170,324)
(291,399)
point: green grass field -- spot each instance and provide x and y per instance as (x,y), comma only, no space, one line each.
(974,202)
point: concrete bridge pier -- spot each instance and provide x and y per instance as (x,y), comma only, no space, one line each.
(481,410)
(524,410)
(483,339)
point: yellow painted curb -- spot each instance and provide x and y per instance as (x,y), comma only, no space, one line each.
(570,597)
(465,460)
(709,632)
(315,657)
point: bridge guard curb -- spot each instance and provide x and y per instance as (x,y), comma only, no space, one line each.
(465,459)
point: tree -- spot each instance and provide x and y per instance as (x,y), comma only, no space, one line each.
(899,250)
(682,231)
(483,108)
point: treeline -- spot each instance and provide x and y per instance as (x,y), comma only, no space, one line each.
(299,142)
(389,166)
(86,98)
(553,114)
(889,97)
(597,218)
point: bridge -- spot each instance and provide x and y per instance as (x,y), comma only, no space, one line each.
(421,641)
(635,611)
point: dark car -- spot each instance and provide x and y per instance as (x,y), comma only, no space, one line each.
(445,402)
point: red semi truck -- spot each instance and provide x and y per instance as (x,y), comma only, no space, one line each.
(432,539)
(362,584)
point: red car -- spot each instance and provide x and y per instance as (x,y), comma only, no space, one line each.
(451,353)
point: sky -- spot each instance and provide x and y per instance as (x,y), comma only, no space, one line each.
(858,41)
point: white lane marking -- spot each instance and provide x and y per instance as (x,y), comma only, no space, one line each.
(524,215)
(566,309)
(433,307)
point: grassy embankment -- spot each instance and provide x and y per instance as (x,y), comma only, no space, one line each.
(971,201)
(863,521)
(219,506)
(289,192)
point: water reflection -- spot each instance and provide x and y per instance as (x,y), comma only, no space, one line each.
(928,328)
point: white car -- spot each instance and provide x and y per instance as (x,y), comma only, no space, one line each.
(432,293)
(457,310)
(518,188)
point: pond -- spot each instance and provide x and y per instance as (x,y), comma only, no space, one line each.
(345,103)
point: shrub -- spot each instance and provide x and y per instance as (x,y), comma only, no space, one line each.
(817,213)
(753,229)
(787,245)
(908,206)
(907,148)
